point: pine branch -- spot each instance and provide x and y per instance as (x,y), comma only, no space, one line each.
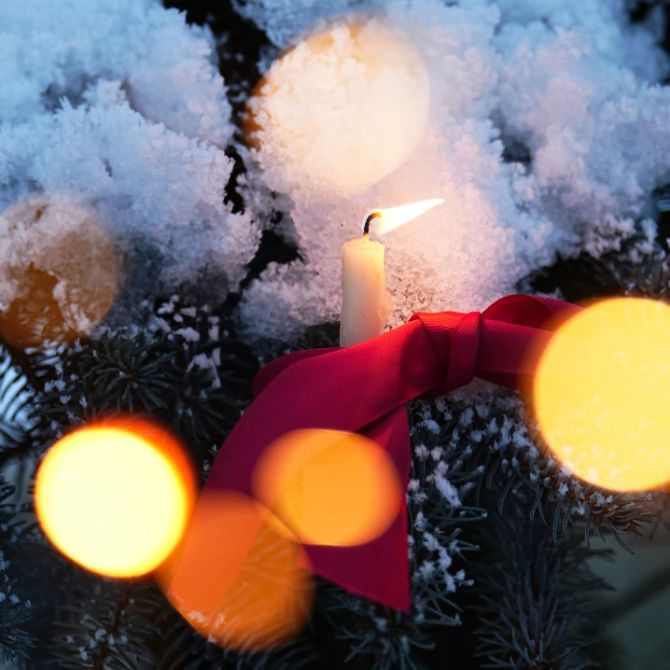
(533,594)
(508,449)
(440,480)
(16,418)
(186,369)
(638,265)
(16,609)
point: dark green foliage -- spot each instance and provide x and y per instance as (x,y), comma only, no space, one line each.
(640,266)
(515,463)
(16,531)
(440,479)
(185,370)
(521,573)
(126,626)
(15,611)
(533,593)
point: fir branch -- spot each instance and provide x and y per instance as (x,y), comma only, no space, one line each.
(15,617)
(16,610)
(507,447)
(91,628)
(440,480)
(533,594)
(15,404)
(638,265)
(186,369)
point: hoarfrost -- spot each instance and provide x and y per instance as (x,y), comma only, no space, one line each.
(119,105)
(547,131)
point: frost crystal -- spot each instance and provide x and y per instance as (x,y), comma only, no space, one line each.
(547,130)
(119,105)
(285,19)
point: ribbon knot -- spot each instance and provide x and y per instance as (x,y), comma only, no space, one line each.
(365,389)
(455,339)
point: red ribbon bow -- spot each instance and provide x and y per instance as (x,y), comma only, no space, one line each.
(365,389)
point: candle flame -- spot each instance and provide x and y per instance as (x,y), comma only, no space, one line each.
(386,220)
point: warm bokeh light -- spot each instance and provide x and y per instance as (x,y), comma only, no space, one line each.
(115,497)
(600,394)
(345,107)
(329,487)
(390,218)
(235,578)
(59,270)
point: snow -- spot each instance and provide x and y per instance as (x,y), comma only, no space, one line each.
(541,123)
(119,105)
(283,20)
(64,238)
(547,130)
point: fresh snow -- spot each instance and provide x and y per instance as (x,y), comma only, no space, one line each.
(548,130)
(119,106)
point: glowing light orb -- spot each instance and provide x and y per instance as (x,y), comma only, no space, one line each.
(600,394)
(235,578)
(329,487)
(343,108)
(58,270)
(115,497)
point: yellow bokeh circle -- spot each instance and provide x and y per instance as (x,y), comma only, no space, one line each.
(329,487)
(115,498)
(600,394)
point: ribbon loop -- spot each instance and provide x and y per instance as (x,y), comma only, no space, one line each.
(455,338)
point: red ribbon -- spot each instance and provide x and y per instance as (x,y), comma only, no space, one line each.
(365,389)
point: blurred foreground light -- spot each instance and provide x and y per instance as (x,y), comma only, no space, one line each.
(236,578)
(344,108)
(600,394)
(115,497)
(329,487)
(59,270)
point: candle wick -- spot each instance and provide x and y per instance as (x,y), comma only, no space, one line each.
(368,221)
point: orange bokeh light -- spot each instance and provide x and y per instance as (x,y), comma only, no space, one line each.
(329,487)
(600,394)
(235,578)
(115,497)
(63,268)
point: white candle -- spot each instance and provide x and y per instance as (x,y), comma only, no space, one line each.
(366,304)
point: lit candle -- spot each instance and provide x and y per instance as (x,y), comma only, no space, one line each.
(366,304)
(365,301)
